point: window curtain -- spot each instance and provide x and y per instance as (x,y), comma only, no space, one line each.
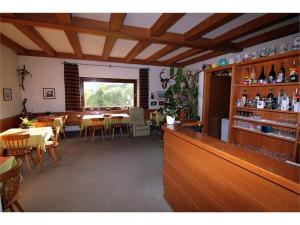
(144,87)
(72,87)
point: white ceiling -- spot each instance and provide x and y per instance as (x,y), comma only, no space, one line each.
(91,44)
(150,50)
(94,16)
(14,34)
(174,53)
(122,47)
(188,21)
(145,20)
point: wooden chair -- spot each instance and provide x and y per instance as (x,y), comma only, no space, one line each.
(10,190)
(97,124)
(116,122)
(52,145)
(17,145)
(45,122)
(79,119)
(63,130)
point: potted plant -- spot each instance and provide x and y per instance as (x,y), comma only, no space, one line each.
(171,112)
(26,123)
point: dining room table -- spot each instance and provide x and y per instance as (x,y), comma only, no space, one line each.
(38,138)
(86,120)
(58,120)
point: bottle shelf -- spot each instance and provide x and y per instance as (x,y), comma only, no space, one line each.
(265,110)
(267,134)
(263,121)
(266,85)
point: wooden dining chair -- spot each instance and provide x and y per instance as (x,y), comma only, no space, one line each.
(51,147)
(45,122)
(79,120)
(116,122)
(10,190)
(63,129)
(97,124)
(17,145)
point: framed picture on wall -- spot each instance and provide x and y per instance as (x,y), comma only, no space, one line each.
(160,95)
(153,103)
(7,94)
(49,93)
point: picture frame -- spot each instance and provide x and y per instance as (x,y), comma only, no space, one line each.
(49,93)
(7,94)
(160,95)
(153,103)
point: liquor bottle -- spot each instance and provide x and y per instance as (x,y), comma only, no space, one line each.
(272,75)
(247,81)
(262,76)
(270,95)
(279,98)
(253,74)
(294,72)
(296,101)
(257,97)
(244,98)
(281,74)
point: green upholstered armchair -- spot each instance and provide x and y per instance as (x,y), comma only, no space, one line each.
(138,126)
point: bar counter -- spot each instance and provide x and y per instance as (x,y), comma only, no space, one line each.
(202,173)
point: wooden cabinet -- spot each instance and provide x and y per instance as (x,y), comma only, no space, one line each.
(245,122)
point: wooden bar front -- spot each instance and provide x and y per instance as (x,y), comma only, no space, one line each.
(202,173)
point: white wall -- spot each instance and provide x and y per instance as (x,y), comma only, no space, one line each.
(277,42)
(49,73)
(9,79)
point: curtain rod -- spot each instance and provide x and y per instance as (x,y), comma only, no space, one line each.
(105,65)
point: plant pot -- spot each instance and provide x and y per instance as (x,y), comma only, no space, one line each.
(170,120)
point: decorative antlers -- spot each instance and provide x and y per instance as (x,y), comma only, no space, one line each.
(165,81)
(23,73)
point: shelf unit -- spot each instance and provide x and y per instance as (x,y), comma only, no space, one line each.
(270,142)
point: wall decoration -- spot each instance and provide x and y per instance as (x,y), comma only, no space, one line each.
(160,95)
(23,73)
(49,93)
(7,94)
(153,103)
(166,80)
(161,103)
(152,95)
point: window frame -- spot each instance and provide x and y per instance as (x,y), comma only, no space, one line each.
(111,80)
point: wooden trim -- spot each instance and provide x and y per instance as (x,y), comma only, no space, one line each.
(213,22)
(9,122)
(202,58)
(183,55)
(66,18)
(271,35)
(164,22)
(138,48)
(108,46)
(35,36)
(111,80)
(93,58)
(253,26)
(164,51)
(12,44)
(95,27)
(116,21)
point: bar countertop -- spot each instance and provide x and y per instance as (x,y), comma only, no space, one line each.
(283,174)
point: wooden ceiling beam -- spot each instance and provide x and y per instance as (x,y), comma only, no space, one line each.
(183,55)
(89,26)
(137,49)
(201,58)
(12,44)
(92,58)
(115,24)
(66,18)
(162,52)
(35,36)
(212,22)
(253,26)
(271,35)
(164,22)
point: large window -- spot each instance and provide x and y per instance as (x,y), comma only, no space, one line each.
(108,92)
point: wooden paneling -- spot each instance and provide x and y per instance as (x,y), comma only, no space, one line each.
(200,177)
(10,122)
